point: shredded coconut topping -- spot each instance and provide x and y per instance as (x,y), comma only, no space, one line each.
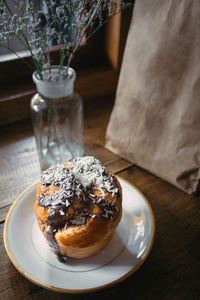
(92,173)
(85,174)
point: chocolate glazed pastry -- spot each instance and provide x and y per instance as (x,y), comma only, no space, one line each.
(78,207)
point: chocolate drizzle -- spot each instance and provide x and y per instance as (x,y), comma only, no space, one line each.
(75,192)
(50,234)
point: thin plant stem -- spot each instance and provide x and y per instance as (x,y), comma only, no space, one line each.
(15,53)
(52,127)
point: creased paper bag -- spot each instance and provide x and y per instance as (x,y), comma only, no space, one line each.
(155,122)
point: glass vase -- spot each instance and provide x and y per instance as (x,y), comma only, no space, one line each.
(57,116)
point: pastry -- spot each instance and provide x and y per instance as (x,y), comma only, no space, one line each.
(78,206)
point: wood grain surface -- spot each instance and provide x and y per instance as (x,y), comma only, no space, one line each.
(172,270)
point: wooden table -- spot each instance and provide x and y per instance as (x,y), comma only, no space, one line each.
(171,271)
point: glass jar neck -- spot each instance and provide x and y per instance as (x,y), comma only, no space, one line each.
(55,83)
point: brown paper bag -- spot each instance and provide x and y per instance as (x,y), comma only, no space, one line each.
(155,122)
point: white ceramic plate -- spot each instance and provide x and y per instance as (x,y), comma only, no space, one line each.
(30,254)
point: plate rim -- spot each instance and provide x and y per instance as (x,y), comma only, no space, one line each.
(74,291)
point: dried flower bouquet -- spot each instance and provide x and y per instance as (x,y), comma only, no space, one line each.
(38,24)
